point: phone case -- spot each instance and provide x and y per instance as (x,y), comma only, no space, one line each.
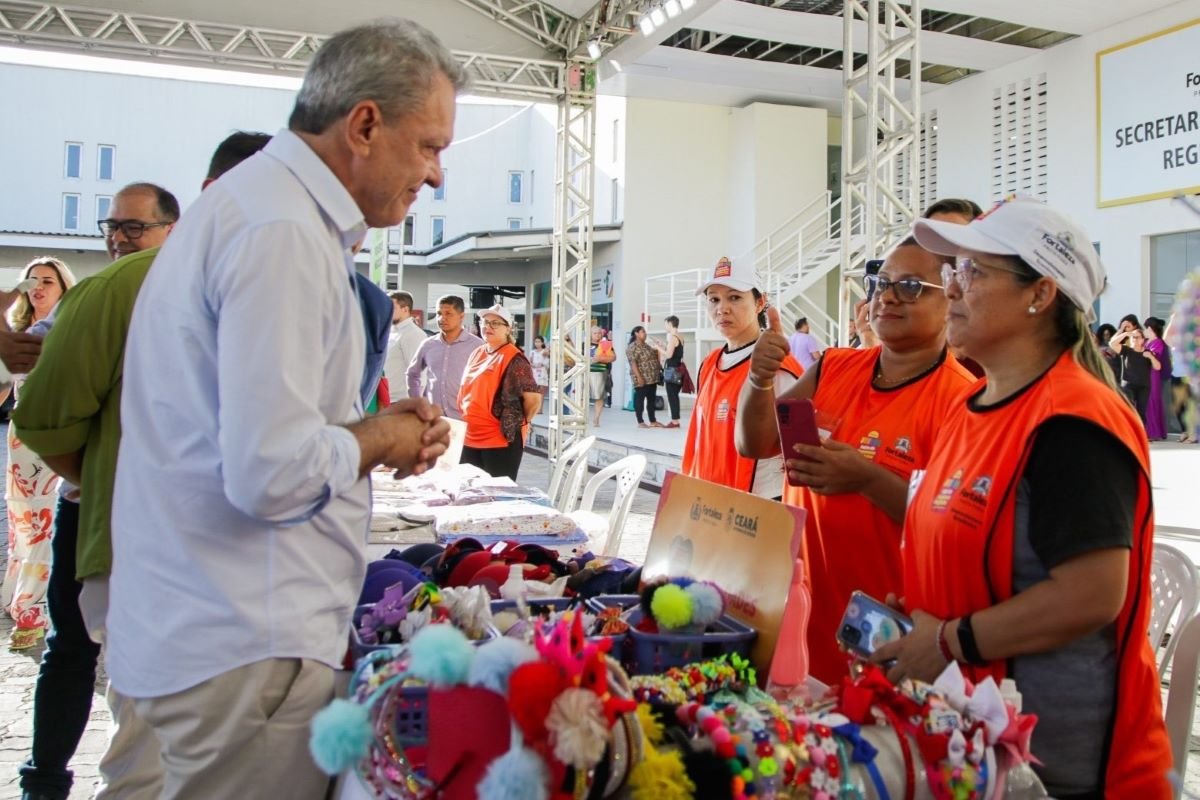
(797,425)
(869,624)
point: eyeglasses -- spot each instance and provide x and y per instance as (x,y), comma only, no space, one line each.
(969,269)
(130,228)
(907,289)
(494,323)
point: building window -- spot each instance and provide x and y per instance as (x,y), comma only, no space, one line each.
(410,230)
(616,198)
(438,231)
(514,223)
(103,204)
(616,134)
(70,208)
(439,192)
(532,173)
(106,155)
(73,165)
(515,186)
(1171,258)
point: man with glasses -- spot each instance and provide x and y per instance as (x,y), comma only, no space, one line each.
(71,418)
(141,216)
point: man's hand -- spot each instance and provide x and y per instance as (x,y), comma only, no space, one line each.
(770,349)
(413,444)
(19,351)
(414,405)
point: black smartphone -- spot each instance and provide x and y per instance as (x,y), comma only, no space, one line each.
(873,267)
(869,624)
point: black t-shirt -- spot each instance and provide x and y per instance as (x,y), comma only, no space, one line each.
(1135,368)
(1082,490)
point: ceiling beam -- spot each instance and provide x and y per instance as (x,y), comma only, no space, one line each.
(48,26)
(541,24)
(1068,16)
(751,21)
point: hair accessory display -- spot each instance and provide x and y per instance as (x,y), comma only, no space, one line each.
(681,605)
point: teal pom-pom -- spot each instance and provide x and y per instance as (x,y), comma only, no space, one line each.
(672,606)
(707,603)
(517,775)
(440,655)
(496,660)
(340,736)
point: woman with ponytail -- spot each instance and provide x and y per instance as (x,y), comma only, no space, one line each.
(1028,540)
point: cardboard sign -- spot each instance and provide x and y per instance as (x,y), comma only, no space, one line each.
(745,544)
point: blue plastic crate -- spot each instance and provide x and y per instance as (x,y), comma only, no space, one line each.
(561,604)
(654,653)
(359,648)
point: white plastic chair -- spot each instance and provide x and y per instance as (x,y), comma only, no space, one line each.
(628,473)
(1174,585)
(567,478)
(1181,697)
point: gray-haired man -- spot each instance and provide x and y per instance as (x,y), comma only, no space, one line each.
(242,495)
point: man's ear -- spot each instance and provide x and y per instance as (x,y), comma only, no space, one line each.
(364,123)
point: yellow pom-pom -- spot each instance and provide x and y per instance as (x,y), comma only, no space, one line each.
(661,776)
(650,724)
(672,606)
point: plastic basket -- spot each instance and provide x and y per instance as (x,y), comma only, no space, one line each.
(653,653)
(561,604)
(359,648)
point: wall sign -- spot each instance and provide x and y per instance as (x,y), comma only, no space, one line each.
(1148,117)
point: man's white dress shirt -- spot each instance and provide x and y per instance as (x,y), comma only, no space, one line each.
(239,518)
(403,343)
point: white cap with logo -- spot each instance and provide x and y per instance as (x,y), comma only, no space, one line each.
(1049,242)
(739,277)
(497,311)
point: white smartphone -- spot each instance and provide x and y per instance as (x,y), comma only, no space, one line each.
(25,285)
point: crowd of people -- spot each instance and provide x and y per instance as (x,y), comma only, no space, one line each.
(232,356)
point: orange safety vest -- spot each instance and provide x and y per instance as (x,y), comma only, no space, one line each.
(710,451)
(961,518)
(849,542)
(481,381)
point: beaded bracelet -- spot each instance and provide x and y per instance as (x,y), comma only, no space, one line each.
(943,645)
(754,384)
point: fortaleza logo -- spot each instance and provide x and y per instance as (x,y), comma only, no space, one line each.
(1061,244)
(742,523)
(902,449)
(948,488)
(708,512)
(978,493)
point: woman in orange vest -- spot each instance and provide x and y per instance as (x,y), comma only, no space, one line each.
(498,398)
(736,307)
(1028,540)
(889,401)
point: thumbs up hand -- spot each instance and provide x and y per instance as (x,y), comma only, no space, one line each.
(770,350)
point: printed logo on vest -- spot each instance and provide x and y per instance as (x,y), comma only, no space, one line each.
(869,444)
(723,411)
(948,488)
(902,450)
(978,493)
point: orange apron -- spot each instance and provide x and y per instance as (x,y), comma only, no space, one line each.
(958,549)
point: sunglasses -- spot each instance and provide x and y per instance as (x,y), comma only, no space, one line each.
(907,289)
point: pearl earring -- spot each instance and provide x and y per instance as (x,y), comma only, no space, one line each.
(1033,309)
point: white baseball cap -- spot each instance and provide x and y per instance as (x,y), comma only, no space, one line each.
(1049,242)
(738,276)
(497,311)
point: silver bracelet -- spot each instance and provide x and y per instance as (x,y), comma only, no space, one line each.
(754,384)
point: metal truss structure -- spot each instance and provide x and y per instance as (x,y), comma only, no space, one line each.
(571,271)
(209,44)
(880,138)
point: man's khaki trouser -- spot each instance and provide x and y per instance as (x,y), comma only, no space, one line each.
(243,734)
